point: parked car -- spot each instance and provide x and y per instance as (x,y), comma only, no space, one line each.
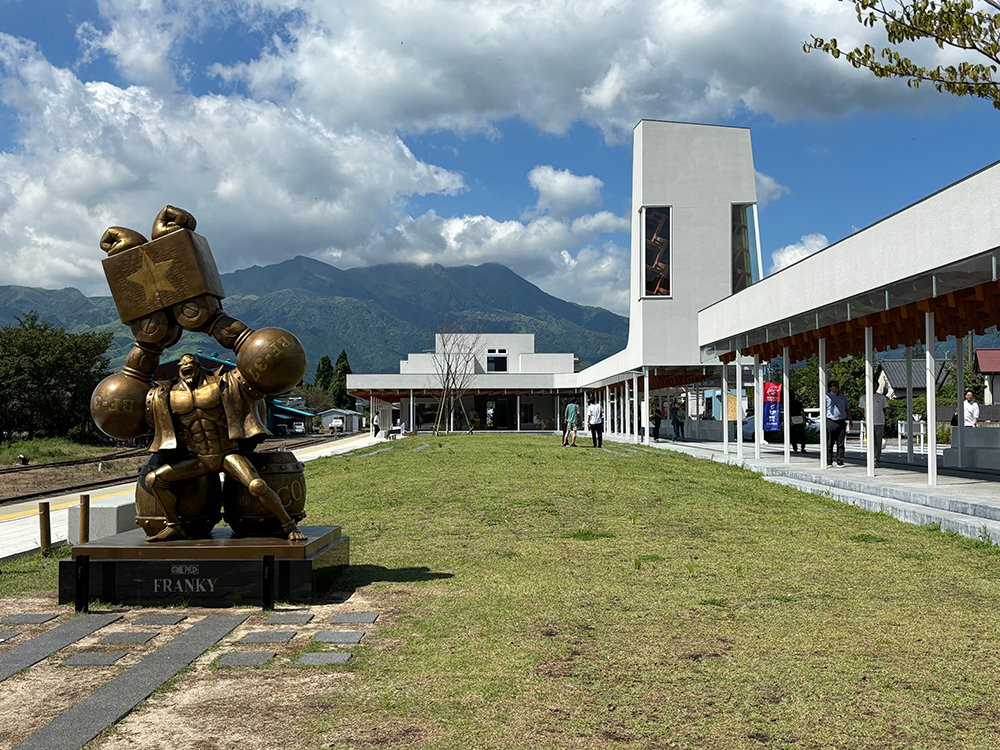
(298,428)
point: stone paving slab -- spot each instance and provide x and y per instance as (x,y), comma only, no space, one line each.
(289,618)
(28,619)
(8,636)
(74,728)
(343,637)
(129,637)
(92,659)
(281,636)
(42,646)
(355,618)
(246,659)
(321,660)
(381,450)
(160,619)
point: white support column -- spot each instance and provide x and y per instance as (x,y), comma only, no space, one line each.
(869,402)
(558,416)
(413,413)
(519,412)
(959,431)
(824,436)
(635,408)
(929,367)
(725,409)
(740,413)
(645,402)
(786,405)
(909,404)
(758,406)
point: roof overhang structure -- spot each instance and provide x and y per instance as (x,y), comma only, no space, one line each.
(939,256)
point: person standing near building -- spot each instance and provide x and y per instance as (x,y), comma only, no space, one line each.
(595,421)
(798,415)
(655,420)
(572,422)
(375,425)
(971,410)
(674,423)
(878,421)
(838,417)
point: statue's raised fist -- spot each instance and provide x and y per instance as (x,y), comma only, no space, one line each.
(119,239)
(172,219)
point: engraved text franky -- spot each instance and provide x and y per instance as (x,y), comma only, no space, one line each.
(184,585)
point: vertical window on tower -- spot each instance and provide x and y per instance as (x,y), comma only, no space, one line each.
(746,268)
(657,221)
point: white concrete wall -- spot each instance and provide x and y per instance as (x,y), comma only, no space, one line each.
(700,171)
(535,363)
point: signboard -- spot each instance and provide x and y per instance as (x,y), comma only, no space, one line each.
(772,406)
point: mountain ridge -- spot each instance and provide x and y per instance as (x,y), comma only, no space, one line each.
(378,314)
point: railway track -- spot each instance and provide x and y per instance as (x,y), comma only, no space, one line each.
(269,444)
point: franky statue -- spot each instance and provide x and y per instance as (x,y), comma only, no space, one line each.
(205,422)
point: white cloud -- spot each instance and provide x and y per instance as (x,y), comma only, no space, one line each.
(267,182)
(768,188)
(301,153)
(560,192)
(463,66)
(789,254)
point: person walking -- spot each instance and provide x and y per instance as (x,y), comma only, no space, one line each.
(595,420)
(375,425)
(878,421)
(838,418)
(971,410)
(656,419)
(572,422)
(672,413)
(682,416)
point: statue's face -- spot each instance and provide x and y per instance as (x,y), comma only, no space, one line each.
(190,370)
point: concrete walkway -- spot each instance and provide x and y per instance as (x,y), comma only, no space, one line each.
(964,501)
(19,531)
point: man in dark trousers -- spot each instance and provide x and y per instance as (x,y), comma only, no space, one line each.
(838,418)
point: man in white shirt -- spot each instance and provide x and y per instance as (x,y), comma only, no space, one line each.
(878,422)
(971,411)
(595,423)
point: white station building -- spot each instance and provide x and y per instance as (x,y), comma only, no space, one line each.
(698,305)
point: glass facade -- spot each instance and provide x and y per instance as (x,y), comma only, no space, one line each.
(657,222)
(746,266)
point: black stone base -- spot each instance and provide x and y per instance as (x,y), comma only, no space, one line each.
(220,572)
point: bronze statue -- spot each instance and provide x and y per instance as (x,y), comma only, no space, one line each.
(205,423)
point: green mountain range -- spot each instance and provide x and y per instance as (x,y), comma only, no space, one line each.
(377,314)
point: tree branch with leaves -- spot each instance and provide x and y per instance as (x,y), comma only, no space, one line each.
(948,23)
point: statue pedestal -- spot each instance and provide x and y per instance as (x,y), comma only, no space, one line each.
(222,571)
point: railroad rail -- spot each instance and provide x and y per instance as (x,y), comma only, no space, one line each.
(269,444)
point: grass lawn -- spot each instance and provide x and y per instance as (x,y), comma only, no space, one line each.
(535,596)
(49,450)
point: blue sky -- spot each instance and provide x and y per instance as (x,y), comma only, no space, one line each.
(449,131)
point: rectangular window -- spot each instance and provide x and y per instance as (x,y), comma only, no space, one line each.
(746,264)
(657,221)
(496,364)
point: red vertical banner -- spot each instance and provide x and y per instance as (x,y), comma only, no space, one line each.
(772,406)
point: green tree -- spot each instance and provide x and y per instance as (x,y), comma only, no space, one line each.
(949,23)
(324,373)
(341,399)
(47,376)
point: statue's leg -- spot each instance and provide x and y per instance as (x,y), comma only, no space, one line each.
(239,467)
(158,482)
